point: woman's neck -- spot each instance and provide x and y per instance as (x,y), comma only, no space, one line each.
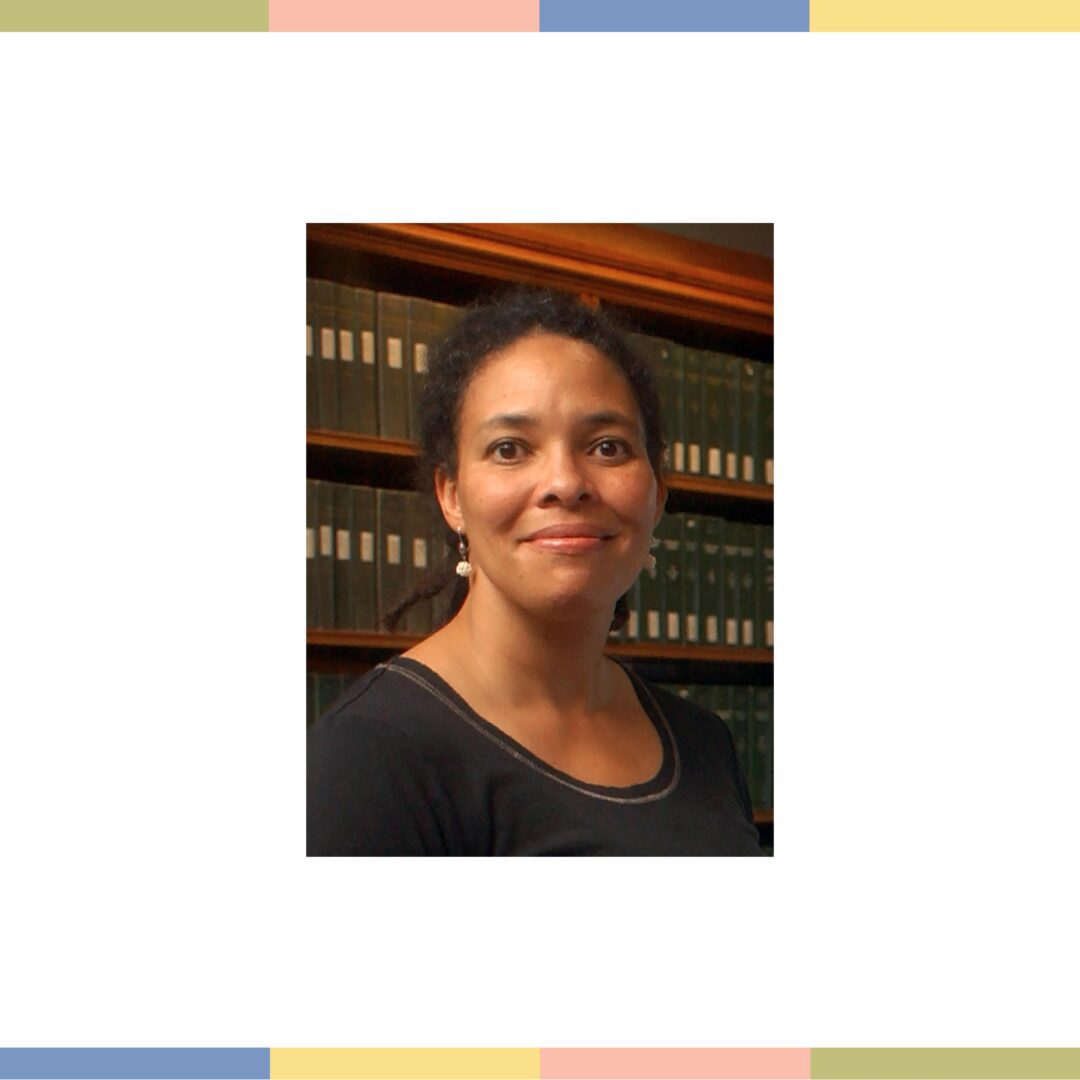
(520,661)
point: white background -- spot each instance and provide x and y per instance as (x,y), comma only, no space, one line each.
(154,195)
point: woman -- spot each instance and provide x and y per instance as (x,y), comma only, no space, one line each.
(508,731)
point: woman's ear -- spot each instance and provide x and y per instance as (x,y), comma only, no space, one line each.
(447,493)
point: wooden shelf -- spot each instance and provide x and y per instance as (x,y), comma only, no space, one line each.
(627,265)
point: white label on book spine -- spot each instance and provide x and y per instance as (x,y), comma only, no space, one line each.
(748,632)
(714,462)
(652,624)
(731,632)
(732,462)
(393,549)
(343,544)
(367,346)
(419,553)
(367,547)
(345,337)
(327,337)
(768,633)
(673,626)
(691,628)
(310,341)
(420,358)
(712,629)
(695,458)
(768,470)
(680,457)
(326,540)
(311,543)
(632,625)
(748,468)
(393,352)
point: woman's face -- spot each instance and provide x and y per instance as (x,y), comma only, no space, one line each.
(554,490)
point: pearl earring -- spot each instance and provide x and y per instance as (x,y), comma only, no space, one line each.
(464,567)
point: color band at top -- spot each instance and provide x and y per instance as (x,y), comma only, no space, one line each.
(533,15)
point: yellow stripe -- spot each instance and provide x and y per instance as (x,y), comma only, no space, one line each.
(944,15)
(453,1064)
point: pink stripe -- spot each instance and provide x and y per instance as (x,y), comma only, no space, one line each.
(404,15)
(655,1064)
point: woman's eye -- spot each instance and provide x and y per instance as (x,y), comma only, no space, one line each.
(612,448)
(505,451)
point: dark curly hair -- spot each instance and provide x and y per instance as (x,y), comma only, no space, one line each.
(486,328)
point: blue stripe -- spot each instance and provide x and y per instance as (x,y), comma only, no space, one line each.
(675,15)
(100,1063)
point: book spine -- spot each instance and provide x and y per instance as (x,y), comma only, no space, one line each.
(729,556)
(324,559)
(326,355)
(761,754)
(670,556)
(763,580)
(711,580)
(742,707)
(344,574)
(749,391)
(312,368)
(692,403)
(391,566)
(422,337)
(765,422)
(418,617)
(364,518)
(348,369)
(747,635)
(712,397)
(632,631)
(393,377)
(312,546)
(312,699)
(676,366)
(732,368)
(367,361)
(691,578)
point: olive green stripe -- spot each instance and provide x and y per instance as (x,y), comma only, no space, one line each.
(953,1063)
(135,15)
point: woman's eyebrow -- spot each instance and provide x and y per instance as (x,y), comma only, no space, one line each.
(596,419)
(514,420)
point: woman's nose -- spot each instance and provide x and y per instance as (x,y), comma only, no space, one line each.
(566,480)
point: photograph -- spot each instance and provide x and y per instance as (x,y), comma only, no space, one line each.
(539,539)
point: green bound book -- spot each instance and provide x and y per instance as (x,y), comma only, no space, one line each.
(312,700)
(632,630)
(393,376)
(391,564)
(749,393)
(363,564)
(423,336)
(417,551)
(711,580)
(692,407)
(724,706)
(312,530)
(670,557)
(326,355)
(691,540)
(761,753)
(676,364)
(729,570)
(712,418)
(741,710)
(747,602)
(348,367)
(765,423)
(729,411)
(324,557)
(312,369)
(763,581)
(344,575)
(367,361)
(651,593)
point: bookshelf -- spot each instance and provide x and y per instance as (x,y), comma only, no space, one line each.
(700,295)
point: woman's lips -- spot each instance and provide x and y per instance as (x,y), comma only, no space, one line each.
(568,545)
